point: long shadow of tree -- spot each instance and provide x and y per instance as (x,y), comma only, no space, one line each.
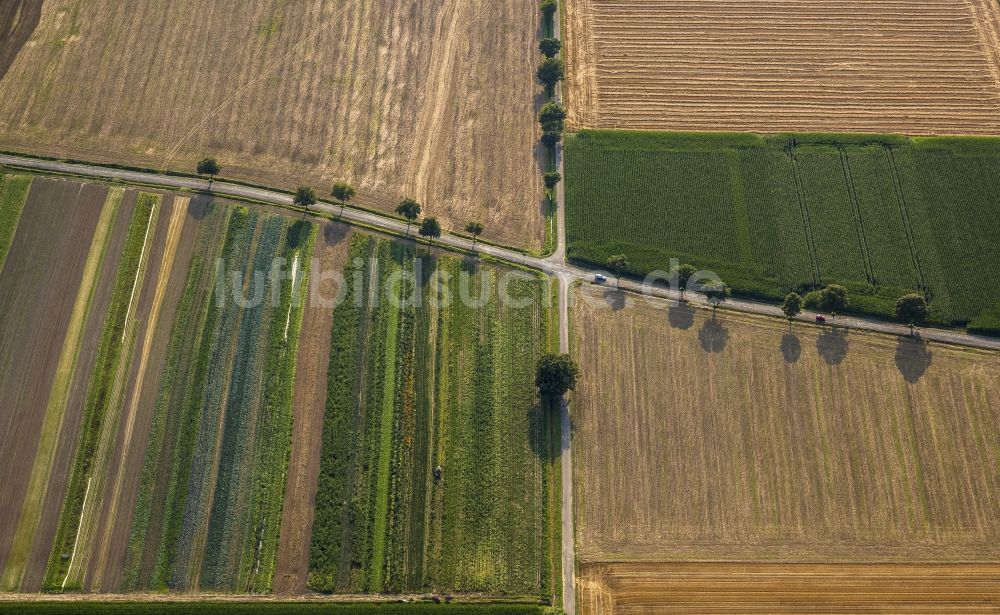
(913,357)
(832,345)
(791,348)
(615,299)
(545,437)
(681,316)
(713,336)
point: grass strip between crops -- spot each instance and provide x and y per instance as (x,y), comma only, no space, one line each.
(97,412)
(58,396)
(13,194)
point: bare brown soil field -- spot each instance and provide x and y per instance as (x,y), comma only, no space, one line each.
(736,439)
(292,566)
(915,67)
(39,282)
(434,100)
(662,588)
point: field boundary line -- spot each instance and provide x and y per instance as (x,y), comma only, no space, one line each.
(804,212)
(907,224)
(859,222)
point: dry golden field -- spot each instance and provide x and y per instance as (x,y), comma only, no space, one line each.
(734,439)
(430,99)
(909,66)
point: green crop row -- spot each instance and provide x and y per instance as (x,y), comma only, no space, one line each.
(442,384)
(880,214)
(333,522)
(210,497)
(98,392)
(13,194)
(274,434)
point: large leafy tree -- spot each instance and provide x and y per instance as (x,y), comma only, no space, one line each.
(557,374)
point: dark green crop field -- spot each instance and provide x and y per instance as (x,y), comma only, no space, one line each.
(881,214)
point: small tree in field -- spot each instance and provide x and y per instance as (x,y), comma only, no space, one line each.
(792,306)
(410,210)
(552,179)
(618,263)
(550,47)
(343,192)
(475,229)
(833,300)
(715,292)
(304,197)
(912,310)
(550,72)
(430,228)
(209,166)
(683,274)
(551,117)
(557,374)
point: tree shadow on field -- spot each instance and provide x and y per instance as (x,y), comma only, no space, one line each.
(791,348)
(913,357)
(713,336)
(544,435)
(615,299)
(832,345)
(334,233)
(681,316)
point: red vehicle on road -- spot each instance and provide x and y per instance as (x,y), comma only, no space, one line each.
(820,319)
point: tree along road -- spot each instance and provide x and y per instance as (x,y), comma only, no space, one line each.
(553,265)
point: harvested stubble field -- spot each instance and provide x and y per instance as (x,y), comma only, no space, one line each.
(634,588)
(150,440)
(881,214)
(434,100)
(735,439)
(909,66)
(423,376)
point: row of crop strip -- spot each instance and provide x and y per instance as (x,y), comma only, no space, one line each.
(275,434)
(13,194)
(171,417)
(411,389)
(332,524)
(101,405)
